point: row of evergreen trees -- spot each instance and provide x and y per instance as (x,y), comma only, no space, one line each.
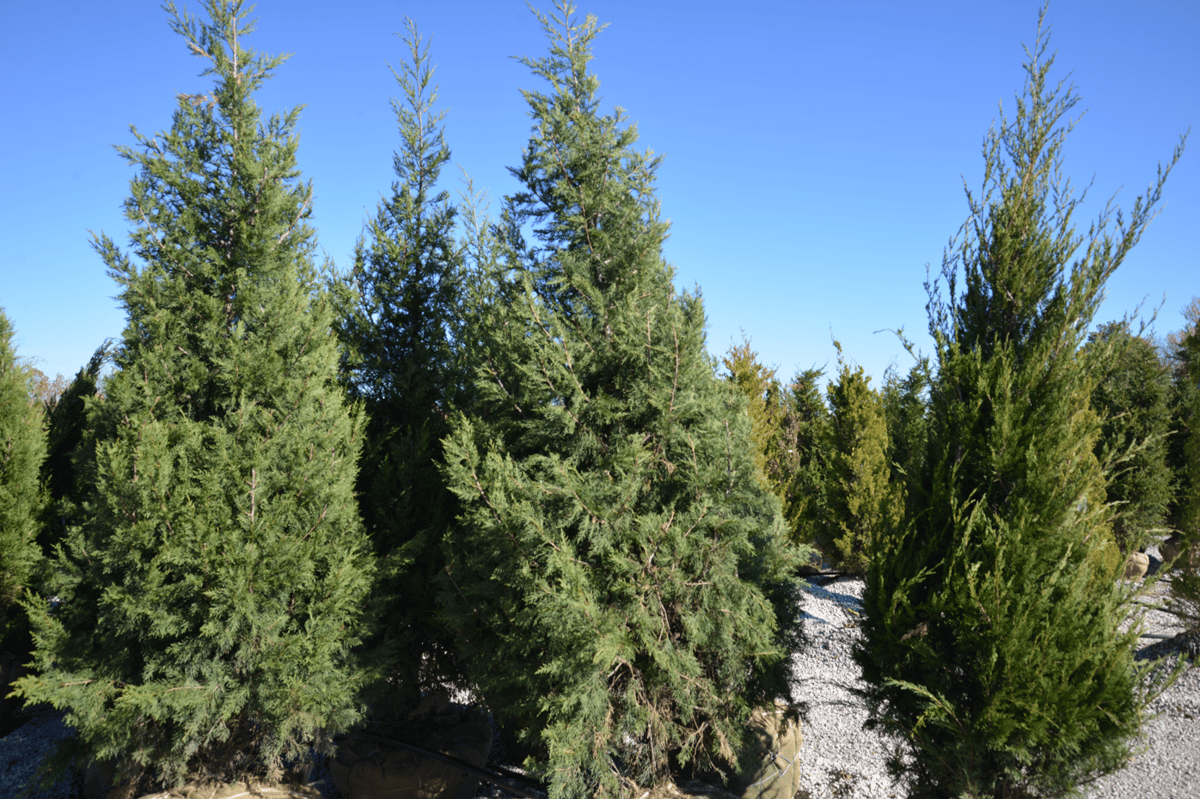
(477,459)
(496,455)
(843,463)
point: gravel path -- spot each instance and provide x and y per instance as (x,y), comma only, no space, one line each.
(843,761)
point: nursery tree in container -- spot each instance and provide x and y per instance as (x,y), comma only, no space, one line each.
(22,450)
(619,576)
(991,643)
(398,330)
(211,593)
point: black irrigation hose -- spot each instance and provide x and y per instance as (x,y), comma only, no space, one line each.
(474,771)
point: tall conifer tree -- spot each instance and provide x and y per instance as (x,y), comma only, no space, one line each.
(22,450)
(1183,451)
(65,424)
(1183,454)
(619,574)
(399,337)
(906,409)
(864,504)
(211,595)
(991,643)
(805,430)
(764,403)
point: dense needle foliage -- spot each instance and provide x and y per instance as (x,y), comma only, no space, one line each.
(211,589)
(66,420)
(764,403)
(620,576)
(402,308)
(864,504)
(22,450)
(991,642)
(1132,398)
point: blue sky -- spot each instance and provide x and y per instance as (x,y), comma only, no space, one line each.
(815,152)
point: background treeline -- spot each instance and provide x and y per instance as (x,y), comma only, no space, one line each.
(843,460)
(494,454)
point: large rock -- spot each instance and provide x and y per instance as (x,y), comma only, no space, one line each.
(1171,548)
(1136,565)
(367,768)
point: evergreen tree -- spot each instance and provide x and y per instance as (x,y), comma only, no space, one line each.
(211,594)
(1132,399)
(399,336)
(905,408)
(65,423)
(1183,449)
(22,449)
(864,503)
(1183,455)
(758,385)
(991,645)
(805,431)
(620,577)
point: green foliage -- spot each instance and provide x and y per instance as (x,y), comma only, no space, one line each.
(805,467)
(22,450)
(1183,449)
(1132,400)
(211,593)
(764,403)
(620,576)
(865,505)
(65,423)
(1183,455)
(398,332)
(906,410)
(991,644)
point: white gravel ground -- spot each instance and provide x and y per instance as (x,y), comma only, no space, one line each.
(840,760)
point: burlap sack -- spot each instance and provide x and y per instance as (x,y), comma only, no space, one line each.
(368,769)
(773,743)
(97,783)
(249,790)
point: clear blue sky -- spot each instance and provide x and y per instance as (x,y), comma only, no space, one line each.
(814,151)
